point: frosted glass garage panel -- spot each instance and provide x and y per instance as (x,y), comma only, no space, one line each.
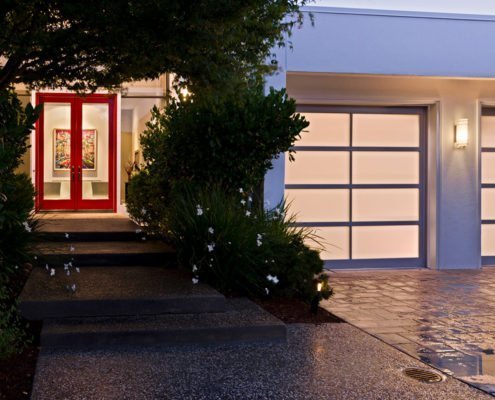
(326,129)
(385,204)
(487,167)
(488,131)
(318,167)
(385,130)
(488,240)
(377,167)
(335,242)
(319,205)
(487,203)
(385,242)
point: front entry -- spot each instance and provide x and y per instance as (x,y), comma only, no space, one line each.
(75,152)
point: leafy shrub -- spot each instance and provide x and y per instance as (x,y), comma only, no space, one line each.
(211,139)
(13,335)
(241,250)
(16,191)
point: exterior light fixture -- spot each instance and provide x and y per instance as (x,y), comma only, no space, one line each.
(319,286)
(461,133)
(184,92)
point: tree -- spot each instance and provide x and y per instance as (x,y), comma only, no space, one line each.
(86,44)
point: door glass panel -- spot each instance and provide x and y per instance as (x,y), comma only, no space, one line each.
(335,242)
(325,130)
(57,151)
(313,167)
(488,240)
(487,167)
(376,167)
(316,205)
(487,131)
(385,242)
(385,204)
(385,130)
(94,152)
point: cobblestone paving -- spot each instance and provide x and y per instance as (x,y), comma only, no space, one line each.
(443,318)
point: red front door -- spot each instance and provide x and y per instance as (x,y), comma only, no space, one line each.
(75,152)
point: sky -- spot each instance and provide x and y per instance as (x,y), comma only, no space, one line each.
(446,6)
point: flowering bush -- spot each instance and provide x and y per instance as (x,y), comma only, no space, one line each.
(212,139)
(239,249)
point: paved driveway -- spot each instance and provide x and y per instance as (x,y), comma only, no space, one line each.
(446,319)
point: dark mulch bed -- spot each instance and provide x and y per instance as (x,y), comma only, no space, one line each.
(293,311)
(17,372)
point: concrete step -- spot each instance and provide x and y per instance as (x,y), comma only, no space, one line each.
(115,291)
(148,252)
(103,227)
(243,322)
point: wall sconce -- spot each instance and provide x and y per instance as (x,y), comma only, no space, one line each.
(461,133)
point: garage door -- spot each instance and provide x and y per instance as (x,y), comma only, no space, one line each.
(488,186)
(358,181)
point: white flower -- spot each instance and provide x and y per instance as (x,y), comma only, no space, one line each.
(46,267)
(35,257)
(259,236)
(248,213)
(66,267)
(250,198)
(27,227)
(138,231)
(267,291)
(243,202)
(68,272)
(72,248)
(240,190)
(67,236)
(52,272)
(194,268)
(211,247)
(143,238)
(73,287)
(211,230)
(78,270)
(229,242)
(259,242)
(199,210)
(16,267)
(69,263)
(143,211)
(195,280)
(272,278)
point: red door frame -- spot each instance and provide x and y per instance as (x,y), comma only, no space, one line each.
(76,202)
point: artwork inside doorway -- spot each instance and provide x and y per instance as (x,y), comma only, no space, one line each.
(62,144)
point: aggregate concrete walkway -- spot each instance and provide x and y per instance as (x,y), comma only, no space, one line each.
(444,318)
(329,361)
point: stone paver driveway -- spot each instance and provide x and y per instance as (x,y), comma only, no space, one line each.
(444,318)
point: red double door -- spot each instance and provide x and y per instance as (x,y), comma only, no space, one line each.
(76,152)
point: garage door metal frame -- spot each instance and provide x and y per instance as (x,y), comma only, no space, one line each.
(420,261)
(487,112)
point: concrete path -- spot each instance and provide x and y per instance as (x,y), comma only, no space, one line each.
(444,318)
(329,361)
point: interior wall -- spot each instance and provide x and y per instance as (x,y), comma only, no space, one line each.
(457,173)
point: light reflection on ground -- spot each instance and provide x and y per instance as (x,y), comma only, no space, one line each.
(444,318)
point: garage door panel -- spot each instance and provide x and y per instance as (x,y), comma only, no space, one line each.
(385,130)
(377,167)
(385,242)
(335,242)
(488,203)
(316,205)
(385,205)
(488,131)
(326,130)
(488,167)
(318,167)
(488,240)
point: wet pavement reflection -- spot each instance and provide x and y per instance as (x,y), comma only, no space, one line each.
(443,318)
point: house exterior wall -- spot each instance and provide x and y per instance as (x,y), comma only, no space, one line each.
(374,58)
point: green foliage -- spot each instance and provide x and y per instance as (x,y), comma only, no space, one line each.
(85,44)
(238,250)
(209,139)
(13,335)
(16,191)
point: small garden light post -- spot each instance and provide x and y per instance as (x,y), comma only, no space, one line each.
(317,298)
